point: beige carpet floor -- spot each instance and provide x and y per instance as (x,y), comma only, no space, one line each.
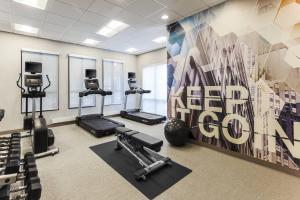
(76,173)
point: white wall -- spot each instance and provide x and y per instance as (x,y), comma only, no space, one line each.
(10,61)
(150,58)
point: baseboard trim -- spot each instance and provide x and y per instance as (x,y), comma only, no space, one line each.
(248,158)
(62,124)
(51,125)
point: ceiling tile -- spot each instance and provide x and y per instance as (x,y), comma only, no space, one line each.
(93,18)
(96,37)
(156,17)
(127,34)
(27,21)
(183,8)
(27,11)
(84,27)
(148,26)
(50,34)
(65,10)
(53,28)
(128,17)
(4,6)
(74,36)
(144,7)
(59,20)
(121,3)
(83,4)
(105,8)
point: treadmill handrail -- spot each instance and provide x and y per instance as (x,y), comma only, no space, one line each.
(137,90)
(90,92)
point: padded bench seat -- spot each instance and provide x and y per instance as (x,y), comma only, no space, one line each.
(141,138)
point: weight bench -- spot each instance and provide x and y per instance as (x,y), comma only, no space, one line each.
(142,147)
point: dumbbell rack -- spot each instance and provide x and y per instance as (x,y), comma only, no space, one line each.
(18,176)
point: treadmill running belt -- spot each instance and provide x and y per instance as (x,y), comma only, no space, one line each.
(145,115)
(100,124)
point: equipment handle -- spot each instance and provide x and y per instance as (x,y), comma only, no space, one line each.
(104,93)
(49,83)
(146,91)
(18,83)
(127,92)
(108,92)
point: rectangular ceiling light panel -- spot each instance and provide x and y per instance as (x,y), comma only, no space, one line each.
(91,42)
(112,28)
(131,50)
(160,40)
(40,4)
(26,29)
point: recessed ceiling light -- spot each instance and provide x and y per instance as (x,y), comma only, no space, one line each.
(160,40)
(91,41)
(112,28)
(107,32)
(117,25)
(40,4)
(27,29)
(131,50)
(165,17)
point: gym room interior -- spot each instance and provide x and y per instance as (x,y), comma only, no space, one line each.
(150,99)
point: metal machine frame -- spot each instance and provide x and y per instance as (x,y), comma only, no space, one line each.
(146,155)
(137,114)
(96,124)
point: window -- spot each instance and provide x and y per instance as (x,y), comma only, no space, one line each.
(50,67)
(113,81)
(155,79)
(77,66)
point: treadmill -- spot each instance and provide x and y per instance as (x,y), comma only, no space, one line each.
(137,114)
(96,124)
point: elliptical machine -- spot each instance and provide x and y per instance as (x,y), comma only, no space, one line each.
(42,137)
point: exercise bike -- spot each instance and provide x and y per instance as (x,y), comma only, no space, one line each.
(42,137)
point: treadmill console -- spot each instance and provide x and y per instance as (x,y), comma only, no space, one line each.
(90,73)
(91,83)
(132,80)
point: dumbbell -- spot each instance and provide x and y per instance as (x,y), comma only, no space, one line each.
(29,165)
(32,189)
(12,136)
(10,145)
(4,141)
(13,163)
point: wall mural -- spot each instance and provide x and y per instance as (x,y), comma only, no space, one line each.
(234,77)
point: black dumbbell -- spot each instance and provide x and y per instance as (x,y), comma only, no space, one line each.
(14,150)
(33,191)
(5,140)
(13,163)
(13,136)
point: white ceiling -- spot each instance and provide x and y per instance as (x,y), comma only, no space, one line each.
(75,20)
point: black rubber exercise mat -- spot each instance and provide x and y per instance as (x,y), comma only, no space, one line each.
(126,165)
